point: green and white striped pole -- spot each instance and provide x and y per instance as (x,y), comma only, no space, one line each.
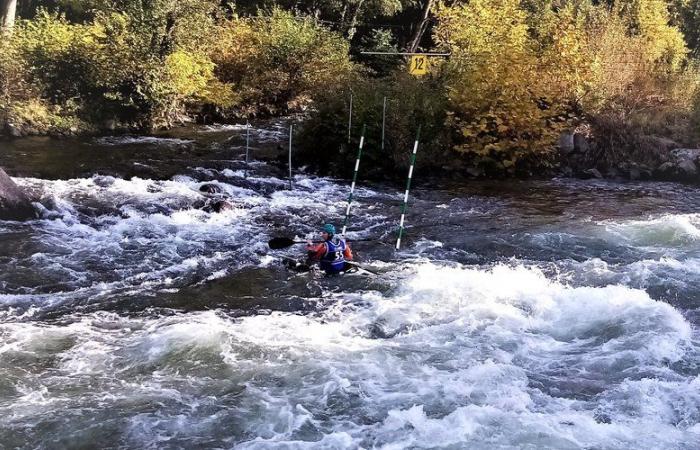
(247,147)
(354,179)
(408,188)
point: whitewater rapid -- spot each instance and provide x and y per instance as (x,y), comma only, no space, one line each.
(557,315)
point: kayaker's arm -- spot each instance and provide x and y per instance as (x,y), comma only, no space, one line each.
(347,254)
(315,251)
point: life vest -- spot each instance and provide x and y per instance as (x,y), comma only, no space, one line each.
(333,261)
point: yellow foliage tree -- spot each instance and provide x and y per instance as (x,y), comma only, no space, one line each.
(510,94)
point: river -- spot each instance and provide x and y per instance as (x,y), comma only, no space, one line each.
(556,314)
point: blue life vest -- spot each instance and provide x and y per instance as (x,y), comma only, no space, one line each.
(333,261)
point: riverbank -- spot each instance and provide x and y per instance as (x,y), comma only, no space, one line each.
(578,157)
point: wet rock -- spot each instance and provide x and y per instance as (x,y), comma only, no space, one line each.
(217,206)
(581,144)
(103,180)
(110,125)
(612,173)
(566,171)
(13,130)
(687,168)
(14,203)
(591,173)
(476,172)
(566,143)
(211,188)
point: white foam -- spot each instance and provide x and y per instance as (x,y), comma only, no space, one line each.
(141,140)
(667,231)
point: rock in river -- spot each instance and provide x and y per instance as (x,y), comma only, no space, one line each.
(14,203)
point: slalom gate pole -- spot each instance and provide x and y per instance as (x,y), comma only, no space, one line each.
(354,179)
(291,130)
(247,147)
(408,188)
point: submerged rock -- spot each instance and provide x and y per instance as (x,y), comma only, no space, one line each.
(14,203)
(217,206)
(211,188)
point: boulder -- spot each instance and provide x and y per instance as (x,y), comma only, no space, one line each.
(687,168)
(682,165)
(566,143)
(14,203)
(685,154)
(591,173)
(581,143)
(211,188)
(13,130)
(217,206)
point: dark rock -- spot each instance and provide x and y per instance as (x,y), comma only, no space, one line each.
(566,143)
(581,143)
(210,188)
(217,206)
(14,203)
(103,180)
(612,173)
(665,170)
(682,165)
(13,130)
(476,172)
(635,173)
(109,124)
(566,171)
(591,173)
(685,154)
(687,168)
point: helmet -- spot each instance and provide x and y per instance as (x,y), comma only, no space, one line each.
(329,228)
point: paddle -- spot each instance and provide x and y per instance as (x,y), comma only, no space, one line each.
(283,242)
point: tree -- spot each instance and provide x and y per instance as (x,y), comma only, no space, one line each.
(421,27)
(8,8)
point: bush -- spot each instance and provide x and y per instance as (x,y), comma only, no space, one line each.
(643,83)
(278,61)
(113,68)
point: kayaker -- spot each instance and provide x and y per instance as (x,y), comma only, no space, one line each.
(332,253)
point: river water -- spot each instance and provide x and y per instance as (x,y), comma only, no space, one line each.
(554,314)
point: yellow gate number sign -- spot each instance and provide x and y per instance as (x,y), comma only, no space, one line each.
(418,65)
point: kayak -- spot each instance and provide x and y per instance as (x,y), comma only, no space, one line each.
(300,267)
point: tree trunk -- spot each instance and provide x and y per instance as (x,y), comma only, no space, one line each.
(420,29)
(353,20)
(8,9)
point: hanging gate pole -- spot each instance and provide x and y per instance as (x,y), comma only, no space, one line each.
(350,118)
(354,180)
(291,130)
(383,121)
(408,188)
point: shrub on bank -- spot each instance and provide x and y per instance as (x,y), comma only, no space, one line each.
(277,61)
(109,69)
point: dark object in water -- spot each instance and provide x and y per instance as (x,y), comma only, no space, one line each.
(216,206)
(211,188)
